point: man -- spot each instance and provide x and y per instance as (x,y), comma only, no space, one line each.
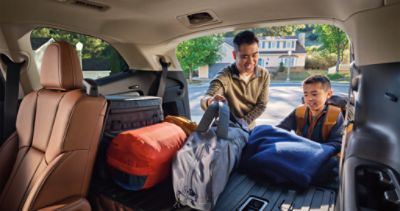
(243,84)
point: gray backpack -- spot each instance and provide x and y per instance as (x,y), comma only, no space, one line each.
(202,166)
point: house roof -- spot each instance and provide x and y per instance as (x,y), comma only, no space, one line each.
(229,41)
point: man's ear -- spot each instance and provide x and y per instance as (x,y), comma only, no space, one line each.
(234,55)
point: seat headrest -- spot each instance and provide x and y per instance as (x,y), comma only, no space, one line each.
(61,69)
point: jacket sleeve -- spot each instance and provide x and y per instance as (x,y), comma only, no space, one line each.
(261,104)
(336,134)
(289,122)
(216,87)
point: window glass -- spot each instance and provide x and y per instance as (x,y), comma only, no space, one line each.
(281,51)
(97,58)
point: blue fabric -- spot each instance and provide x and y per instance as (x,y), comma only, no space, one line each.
(283,157)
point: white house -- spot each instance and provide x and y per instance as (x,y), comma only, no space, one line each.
(290,50)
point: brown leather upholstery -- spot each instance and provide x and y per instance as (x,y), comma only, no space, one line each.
(79,204)
(58,129)
(60,68)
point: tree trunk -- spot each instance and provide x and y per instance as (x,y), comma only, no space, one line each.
(338,59)
(190,73)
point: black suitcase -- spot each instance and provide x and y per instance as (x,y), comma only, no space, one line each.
(125,112)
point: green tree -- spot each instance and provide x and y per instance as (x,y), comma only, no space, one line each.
(92,47)
(333,40)
(197,52)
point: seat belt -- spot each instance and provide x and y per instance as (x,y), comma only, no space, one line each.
(10,108)
(2,93)
(163,78)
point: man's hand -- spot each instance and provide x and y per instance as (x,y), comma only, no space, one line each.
(216,97)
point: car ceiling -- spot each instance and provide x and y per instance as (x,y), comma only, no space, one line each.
(144,30)
(155,21)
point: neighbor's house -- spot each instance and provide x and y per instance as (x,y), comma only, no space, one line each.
(290,50)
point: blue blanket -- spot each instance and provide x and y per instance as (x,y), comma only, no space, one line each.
(283,157)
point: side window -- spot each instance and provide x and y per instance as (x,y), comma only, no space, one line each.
(98,59)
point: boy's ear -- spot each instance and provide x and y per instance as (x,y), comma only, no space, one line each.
(234,55)
(329,93)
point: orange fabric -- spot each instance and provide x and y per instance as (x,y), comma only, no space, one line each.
(146,151)
(300,118)
(186,124)
(330,120)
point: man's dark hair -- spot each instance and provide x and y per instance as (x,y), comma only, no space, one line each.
(244,37)
(326,83)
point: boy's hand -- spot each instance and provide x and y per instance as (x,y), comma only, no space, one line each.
(216,97)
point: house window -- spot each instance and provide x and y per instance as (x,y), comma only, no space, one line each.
(289,61)
(263,44)
(260,61)
(293,44)
(278,44)
(270,44)
(273,45)
(284,44)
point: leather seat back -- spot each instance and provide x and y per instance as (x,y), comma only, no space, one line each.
(58,130)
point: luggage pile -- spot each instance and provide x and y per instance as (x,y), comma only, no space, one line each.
(202,167)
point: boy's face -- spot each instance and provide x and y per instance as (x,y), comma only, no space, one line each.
(246,57)
(315,96)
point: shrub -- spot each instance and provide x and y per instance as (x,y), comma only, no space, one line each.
(336,76)
(316,60)
(281,67)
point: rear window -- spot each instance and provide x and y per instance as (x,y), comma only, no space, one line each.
(97,58)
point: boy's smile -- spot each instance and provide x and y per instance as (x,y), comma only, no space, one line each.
(315,97)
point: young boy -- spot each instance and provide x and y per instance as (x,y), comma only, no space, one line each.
(315,120)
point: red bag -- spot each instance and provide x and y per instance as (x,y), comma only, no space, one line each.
(141,158)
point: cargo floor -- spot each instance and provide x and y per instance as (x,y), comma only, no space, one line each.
(236,193)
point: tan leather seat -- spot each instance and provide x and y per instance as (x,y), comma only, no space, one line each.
(48,162)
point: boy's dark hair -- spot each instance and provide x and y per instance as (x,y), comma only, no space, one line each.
(326,83)
(244,37)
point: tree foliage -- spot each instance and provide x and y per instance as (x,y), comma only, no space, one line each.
(333,40)
(198,52)
(92,47)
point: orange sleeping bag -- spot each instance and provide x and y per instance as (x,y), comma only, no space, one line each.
(141,158)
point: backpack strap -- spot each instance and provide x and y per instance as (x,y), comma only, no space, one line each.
(330,120)
(300,119)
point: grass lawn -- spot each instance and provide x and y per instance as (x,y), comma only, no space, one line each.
(297,75)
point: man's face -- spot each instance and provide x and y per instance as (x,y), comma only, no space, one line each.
(315,96)
(246,57)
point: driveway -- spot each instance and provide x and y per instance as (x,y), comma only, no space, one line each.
(283,98)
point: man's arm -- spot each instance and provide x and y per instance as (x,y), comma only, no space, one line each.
(289,122)
(215,88)
(336,134)
(261,104)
